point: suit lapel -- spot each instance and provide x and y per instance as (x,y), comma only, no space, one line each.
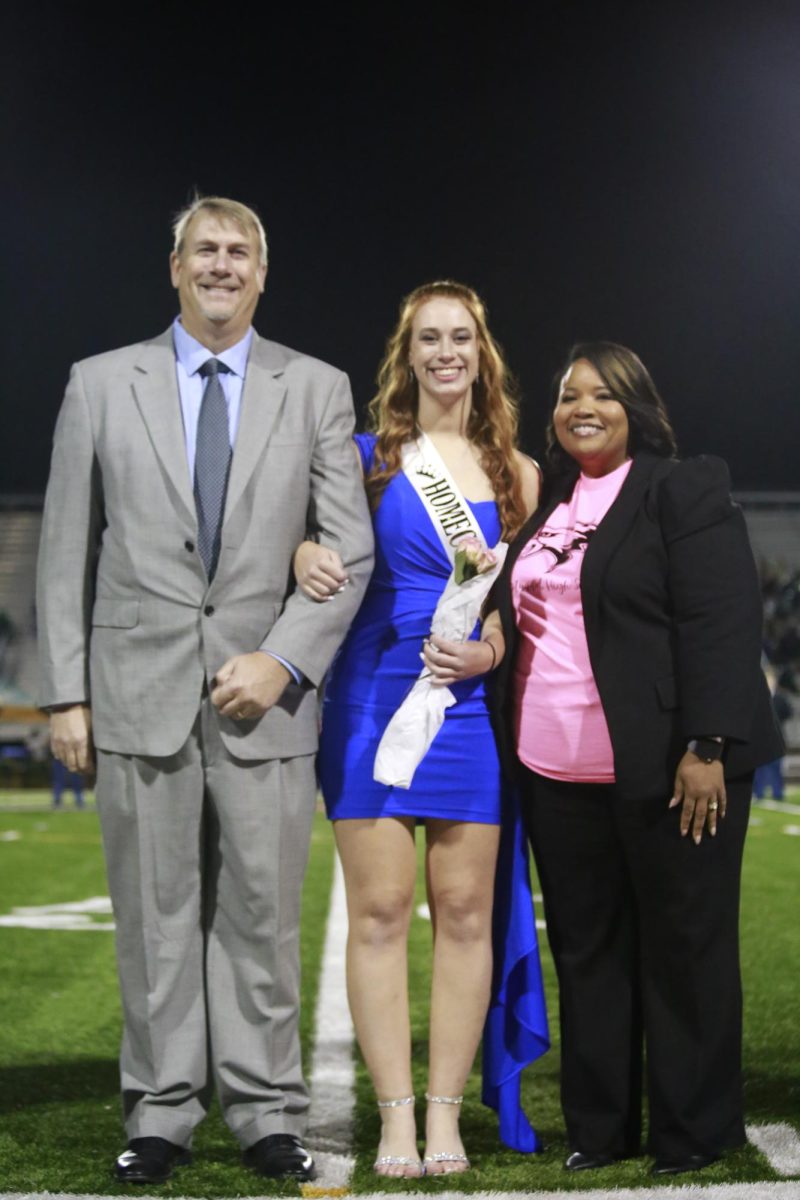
(609,535)
(156,390)
(262,398)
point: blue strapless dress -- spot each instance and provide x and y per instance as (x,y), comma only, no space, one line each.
(459,779)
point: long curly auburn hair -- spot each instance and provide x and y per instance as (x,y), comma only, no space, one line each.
(493,420)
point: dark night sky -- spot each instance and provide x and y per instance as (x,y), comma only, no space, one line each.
(620,171)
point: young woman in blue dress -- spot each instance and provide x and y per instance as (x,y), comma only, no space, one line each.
(443,375)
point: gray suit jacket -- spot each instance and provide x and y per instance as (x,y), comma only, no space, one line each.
(127,620)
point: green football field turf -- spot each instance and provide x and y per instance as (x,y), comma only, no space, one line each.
(59,1111)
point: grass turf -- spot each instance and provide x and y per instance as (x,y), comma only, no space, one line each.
(60,1123)
(59,1108)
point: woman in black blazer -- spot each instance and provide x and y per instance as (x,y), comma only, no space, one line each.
(638,816)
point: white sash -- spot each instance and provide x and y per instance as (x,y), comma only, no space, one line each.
(449,512)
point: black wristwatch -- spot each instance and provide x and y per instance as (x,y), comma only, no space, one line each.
(710,749)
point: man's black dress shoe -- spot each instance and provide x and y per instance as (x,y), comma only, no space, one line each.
(150,1160)
(281,1155)
(677,1166)
(578,1161)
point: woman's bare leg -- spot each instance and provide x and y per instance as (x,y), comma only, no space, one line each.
(460,868)
(380,865)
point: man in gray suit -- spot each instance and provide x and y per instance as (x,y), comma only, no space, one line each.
(177,652)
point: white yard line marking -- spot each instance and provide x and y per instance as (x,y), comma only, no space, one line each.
(780,1143)
(77,914)
(715,1191)
(778,806)
(330,1130)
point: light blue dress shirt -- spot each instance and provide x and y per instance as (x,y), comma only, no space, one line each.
(189,358)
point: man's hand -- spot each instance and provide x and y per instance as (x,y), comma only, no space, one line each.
(71,738)
(248,685)
(700,790)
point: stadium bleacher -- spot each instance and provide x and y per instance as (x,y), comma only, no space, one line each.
(20,721)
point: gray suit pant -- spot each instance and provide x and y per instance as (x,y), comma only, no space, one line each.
(206,856)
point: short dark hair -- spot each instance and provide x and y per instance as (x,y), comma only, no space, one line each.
(629,382)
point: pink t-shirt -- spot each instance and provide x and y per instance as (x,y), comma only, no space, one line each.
(561,729)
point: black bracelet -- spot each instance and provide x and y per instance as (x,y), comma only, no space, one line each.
(494,655)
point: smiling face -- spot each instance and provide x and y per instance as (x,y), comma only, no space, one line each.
(219,277)
(443,353)
(591,426)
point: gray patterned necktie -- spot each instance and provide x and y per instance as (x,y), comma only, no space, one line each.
(211,465)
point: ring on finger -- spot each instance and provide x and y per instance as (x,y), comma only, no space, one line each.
(713,806)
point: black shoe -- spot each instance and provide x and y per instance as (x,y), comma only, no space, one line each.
(677,1166)
(279,1156)
(578,1161)
(150,1160)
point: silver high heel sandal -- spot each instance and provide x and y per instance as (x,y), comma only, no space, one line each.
(445,1156)
(397,1160)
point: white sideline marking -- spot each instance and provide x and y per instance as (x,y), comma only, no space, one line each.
(781,1145)
(330,1130)
(792,830)
(10,835)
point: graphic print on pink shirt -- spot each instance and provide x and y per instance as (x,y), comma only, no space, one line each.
(560,725)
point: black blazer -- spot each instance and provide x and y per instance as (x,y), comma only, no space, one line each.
(672,609)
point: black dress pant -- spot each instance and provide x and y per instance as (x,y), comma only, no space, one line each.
(644,929)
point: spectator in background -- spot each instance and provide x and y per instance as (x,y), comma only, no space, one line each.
(64,779)
(769,776)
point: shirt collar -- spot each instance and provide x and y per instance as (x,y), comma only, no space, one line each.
(191,354)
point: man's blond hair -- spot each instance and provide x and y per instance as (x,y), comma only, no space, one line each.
(225,210)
